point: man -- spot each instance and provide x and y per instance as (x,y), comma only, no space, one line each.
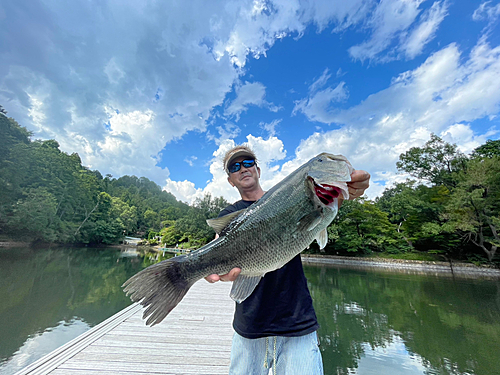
(276,325)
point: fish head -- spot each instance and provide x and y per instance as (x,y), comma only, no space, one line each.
(327,176)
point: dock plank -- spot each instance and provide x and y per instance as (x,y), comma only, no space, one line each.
(194,339)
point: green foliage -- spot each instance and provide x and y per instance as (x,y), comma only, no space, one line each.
(489,150)
(362,227)
(47,195)
(437,162)
(474,206)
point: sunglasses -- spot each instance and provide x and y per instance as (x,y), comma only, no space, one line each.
(235,167)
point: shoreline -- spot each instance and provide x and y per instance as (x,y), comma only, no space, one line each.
(408,266)
(454,268)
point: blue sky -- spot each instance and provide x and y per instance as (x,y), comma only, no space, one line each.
(162,89)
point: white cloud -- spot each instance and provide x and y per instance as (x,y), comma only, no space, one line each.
(173,62)
(319,105)
(268,151)
(390,18)
(397,27)
(190,160)
(425,31)
(137,58)
(247,94)
(486,12)
(321,81)
(439,96)
(464,137)
(184,191)
(270,127)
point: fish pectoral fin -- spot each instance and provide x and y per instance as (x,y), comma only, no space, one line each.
(309,221)
(243,286)
(219,223)
(322,238)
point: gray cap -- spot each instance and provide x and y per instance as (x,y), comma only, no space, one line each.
(235,153)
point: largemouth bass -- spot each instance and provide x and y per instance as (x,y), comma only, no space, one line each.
(258,239)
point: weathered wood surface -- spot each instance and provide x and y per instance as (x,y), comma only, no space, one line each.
(194,339)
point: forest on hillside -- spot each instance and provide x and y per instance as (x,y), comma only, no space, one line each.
(48,195)
(451,208)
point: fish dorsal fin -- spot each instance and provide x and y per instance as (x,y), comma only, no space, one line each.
(310,221)
(243,286)
(322,238)
(219,223)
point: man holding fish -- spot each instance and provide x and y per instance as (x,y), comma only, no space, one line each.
(276,324)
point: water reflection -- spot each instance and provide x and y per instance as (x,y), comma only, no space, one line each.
(432,325)
(372,322)
(50,296)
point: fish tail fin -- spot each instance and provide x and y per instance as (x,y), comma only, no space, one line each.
(159,288)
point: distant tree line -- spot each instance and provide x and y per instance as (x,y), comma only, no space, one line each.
(47,195)
(450,209)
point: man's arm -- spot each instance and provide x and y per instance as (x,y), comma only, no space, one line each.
(360,181)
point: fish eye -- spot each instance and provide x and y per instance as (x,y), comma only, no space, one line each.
(320,159)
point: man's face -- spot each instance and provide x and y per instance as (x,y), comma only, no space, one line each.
(245,178)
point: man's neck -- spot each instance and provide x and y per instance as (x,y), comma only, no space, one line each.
(252,195)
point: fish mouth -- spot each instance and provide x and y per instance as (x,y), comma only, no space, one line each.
(326,193)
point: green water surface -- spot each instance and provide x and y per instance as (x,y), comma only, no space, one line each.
(371,322)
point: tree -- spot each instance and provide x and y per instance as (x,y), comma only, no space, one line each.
(34,216)
(437,162)
(488,150)
(362,227)
(474,207)
(210,207)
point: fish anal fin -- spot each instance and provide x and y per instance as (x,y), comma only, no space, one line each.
(243,286)
(322,238)
(219,223)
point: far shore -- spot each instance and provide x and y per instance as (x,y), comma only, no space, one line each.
(453,268)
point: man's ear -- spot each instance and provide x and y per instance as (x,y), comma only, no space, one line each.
(229,180)
(258,170)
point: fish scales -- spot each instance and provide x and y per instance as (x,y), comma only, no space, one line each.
(259,239)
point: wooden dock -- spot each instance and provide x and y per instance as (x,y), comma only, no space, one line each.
(194,339)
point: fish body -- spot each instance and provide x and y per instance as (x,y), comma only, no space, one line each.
(259,239)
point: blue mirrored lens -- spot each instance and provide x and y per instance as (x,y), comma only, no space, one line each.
(235,167)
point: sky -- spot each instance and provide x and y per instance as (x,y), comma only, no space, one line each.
(162,89)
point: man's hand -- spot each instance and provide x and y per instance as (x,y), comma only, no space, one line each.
(360,181)
(230,276)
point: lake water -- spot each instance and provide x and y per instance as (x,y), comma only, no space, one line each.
(371,322)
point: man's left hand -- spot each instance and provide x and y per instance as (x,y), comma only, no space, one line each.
(360,181)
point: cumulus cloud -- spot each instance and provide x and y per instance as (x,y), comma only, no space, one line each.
(269,152)
(134,58)
(442,96)
(116,82)
(464,137)
(173,63)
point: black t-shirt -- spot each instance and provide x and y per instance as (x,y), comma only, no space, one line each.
(280,305)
